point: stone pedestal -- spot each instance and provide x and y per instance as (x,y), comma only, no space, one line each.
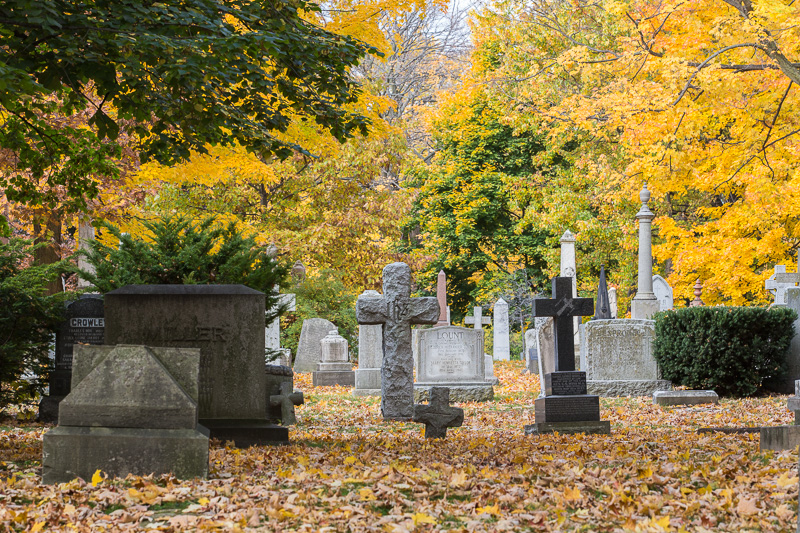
(335,368)
(567,408)
(132,410)
(370,356)
(618,358)
(226,322)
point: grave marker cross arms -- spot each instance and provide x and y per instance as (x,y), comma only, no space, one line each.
(397,311)
(563,307)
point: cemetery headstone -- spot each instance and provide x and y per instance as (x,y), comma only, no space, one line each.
(272,333)
(298,272)
(786,384)
(566,406)
(617,356)
(477,320)
(309,351)
(488,367)
(663,293)
(397,311)
(84,323)
(645,304)
(451,356)
(335,367)
(612,301)
(132,410)
(500,332)
(276,376)
(545,346)
(569,269)
(227,323)
(441,296)
(780,282)
(370,356)
(438,415)
(531,352)
(282,404)
(85,238)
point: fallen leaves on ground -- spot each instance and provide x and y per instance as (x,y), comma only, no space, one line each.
(348,470)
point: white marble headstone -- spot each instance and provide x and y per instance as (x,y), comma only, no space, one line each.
(663,293)
(501,342)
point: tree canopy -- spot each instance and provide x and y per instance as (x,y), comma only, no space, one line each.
(77,78)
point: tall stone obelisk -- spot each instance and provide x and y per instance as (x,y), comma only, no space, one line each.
(569,269)
(441,296)
(645,303)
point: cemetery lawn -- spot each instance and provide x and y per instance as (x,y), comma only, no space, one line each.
(347,470)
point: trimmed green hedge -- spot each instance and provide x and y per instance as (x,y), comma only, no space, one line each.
(731,350)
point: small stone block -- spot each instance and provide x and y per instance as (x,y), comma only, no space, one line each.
(246,433)
(599,427)
(344,378)
(71,452)
(579,408)
(780,438)
(684,397)
(794,404)
(569,383)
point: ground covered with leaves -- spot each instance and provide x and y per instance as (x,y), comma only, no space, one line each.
(348,470)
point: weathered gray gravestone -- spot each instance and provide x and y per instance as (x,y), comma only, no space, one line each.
(132,410)
(284,404)
(438,415)
(397,311)
(83,323)
(309,351)
(370,356)
(334,368)
(227,323)
(663,293)
(565,408)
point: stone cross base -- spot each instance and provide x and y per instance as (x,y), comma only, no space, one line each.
(602,427)
(368,382)
(71,451)
(462,392)
(367,392)
(627,387)
(780,438)
(246,433)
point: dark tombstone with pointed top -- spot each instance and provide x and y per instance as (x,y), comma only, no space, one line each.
(565,408)
(438,415)
(603,310)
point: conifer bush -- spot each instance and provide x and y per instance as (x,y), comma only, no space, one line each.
(177,250)
(28,318)
(731,350)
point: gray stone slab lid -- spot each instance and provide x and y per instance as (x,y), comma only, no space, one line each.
(204,290)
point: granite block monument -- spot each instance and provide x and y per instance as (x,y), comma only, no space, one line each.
(132,410)
(566,407)
(227,323)
(396,311)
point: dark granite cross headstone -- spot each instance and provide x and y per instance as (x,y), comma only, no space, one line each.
(438,415)
(563,307)
(286,400)
(397,311)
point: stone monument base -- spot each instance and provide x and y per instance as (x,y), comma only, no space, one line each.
(627,387)
(367,382)
(343,378)
(48,409)
(461,392)
(600,427)
(246,433)
(780,438)
(71,451)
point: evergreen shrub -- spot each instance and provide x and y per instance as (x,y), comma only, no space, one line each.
(731,350)
(28,319)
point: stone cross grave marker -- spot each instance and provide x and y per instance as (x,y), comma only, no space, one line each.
(563,308)
(780,281)
(477,320)
(438,415)
(286,401)
(397,311)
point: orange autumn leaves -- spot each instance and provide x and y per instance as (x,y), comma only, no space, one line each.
(347,470)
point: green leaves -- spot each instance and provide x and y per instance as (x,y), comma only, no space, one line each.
(175,77)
